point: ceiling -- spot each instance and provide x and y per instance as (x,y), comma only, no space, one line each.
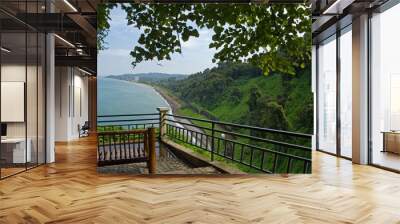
(73,21)
(331,15)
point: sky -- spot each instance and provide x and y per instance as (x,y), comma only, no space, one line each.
(115,60)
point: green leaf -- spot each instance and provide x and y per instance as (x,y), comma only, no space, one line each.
(240,30)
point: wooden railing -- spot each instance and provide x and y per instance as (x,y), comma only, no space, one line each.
(127,146)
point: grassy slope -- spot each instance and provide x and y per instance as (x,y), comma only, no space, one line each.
(271,86)
(229,111)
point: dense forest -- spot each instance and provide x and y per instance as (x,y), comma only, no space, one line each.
(240,93)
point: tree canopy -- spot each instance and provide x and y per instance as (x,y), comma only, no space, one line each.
(275,37)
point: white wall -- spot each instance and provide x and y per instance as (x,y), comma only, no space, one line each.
(12,73)
(33,127)
(80,109)
(62,81)
(71,102)
(16,73)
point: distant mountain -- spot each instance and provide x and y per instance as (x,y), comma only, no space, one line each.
(152,77)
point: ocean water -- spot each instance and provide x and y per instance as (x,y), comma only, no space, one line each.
(115,97)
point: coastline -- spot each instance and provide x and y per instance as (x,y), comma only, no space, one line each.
(173,103)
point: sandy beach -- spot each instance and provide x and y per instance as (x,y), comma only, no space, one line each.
(174,103)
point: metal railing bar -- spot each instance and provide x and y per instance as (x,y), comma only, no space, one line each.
(128,115)
(257,147)
(127,125)
(125,145)
(241,153)
(296,134)
(135,131)
(289,165)
(275,163)
(251,155)
(262,160)
(243,163)
(269,150)
(142,119)
(248,136)
(290,145)
(246,164)
(188,124)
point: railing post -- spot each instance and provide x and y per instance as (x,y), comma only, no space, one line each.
(146,142)
(212,140)
(151,134)
(163,127)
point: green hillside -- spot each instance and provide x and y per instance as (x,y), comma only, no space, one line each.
(240,93)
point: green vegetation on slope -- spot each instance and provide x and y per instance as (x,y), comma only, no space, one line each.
(239,93)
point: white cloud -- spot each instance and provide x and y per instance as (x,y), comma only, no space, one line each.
(205,32)
(191,43)
(115,52)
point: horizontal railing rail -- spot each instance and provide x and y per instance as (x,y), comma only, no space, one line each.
(127,121)
(127,115)
(296,134)
(142,119)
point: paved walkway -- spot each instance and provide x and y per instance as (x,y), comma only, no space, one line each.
(164,166)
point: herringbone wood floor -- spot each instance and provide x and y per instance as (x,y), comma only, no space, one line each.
(71,191)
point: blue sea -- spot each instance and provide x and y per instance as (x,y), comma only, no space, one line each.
(117,97)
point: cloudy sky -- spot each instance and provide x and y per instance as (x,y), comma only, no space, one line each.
(195,57)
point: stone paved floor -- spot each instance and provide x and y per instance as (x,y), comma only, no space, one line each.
(164,166)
